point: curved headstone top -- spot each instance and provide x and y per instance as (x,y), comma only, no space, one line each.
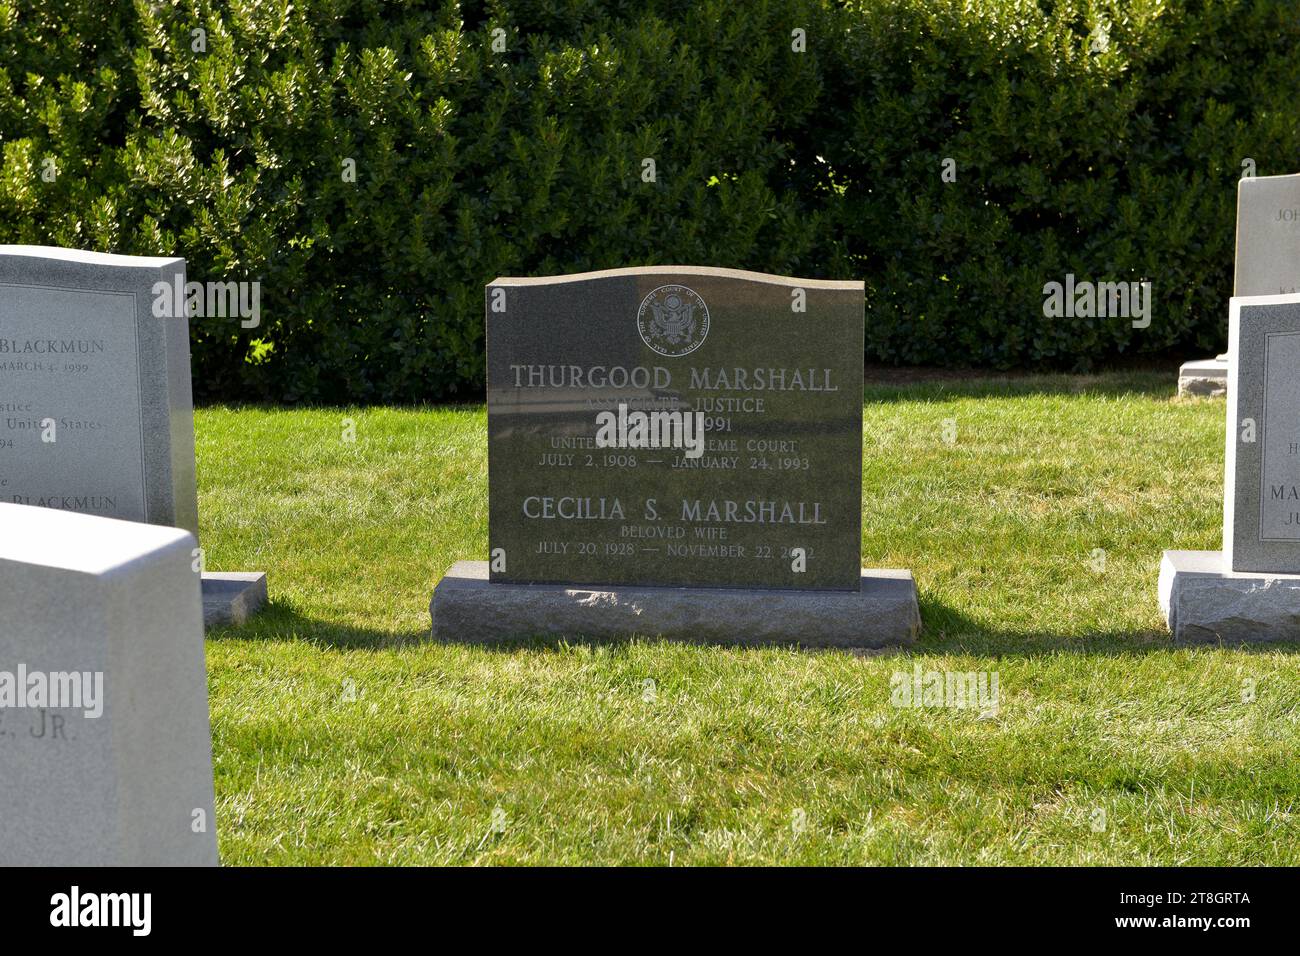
(709,271)
(89,257)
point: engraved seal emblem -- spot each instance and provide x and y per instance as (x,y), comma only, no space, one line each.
(673,320)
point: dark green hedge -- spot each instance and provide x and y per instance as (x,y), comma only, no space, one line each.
(1112,159)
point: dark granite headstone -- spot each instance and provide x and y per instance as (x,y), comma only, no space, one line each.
(770,366)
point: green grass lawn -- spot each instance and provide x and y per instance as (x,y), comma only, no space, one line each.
(341,736)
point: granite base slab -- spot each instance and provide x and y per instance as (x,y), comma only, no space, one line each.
(1204,603)
(1207,377)
(467,607)
(232,597)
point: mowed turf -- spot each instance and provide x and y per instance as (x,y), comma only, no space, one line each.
(341,735)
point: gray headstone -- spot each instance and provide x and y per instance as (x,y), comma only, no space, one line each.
(85,361)
(1268,236)
(115,767)
(1261,529)
(772,365)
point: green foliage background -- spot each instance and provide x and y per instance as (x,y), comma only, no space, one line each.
(1102,138)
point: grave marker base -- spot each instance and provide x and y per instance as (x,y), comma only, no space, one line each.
(1204,602)
(232,597)
(467,608)
(1204,377)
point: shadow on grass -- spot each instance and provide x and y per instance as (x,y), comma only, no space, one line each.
(945,632)
(280,621)
(948,632)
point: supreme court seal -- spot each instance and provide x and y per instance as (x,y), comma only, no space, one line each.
(673,320)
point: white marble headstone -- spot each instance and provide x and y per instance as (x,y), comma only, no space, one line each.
(1268,236)
(96,414)
(105,749)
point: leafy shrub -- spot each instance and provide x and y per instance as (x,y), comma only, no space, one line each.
(473,163)
(1102,140)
